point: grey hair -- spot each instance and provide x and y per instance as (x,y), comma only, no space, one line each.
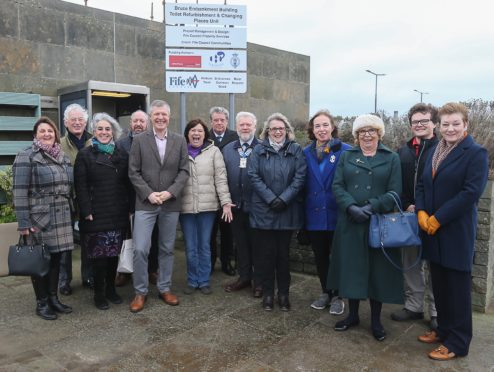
(72,107)
(218,110)
(159,103)
(140,111)
(245,114)
(277,116)
(115,127)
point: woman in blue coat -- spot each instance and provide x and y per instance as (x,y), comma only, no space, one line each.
(277,173)
(322,156)
(453,180)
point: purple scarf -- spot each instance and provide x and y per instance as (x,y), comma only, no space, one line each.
(193,151)
(52,150)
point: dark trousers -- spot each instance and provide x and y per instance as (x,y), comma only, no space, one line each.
(242,235)
(321,246)
(48,285)
(226,240)
(66,266)
(272,248)
(105,269)
(452,293)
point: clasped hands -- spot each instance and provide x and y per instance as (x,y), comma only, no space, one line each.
(359,214)
(159,198)
(429,224)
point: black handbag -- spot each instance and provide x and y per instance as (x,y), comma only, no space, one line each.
(29,259)
(395,230)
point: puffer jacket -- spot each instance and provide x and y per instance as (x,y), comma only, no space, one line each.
(207,186)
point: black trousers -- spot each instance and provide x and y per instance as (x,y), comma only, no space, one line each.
(244,240)
(272,249)
(226,238)
(452,294)
(321,246)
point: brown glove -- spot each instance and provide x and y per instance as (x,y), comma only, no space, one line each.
(433,225)
(423,218)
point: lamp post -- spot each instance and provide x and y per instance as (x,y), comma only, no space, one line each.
(375,91)
(421,94)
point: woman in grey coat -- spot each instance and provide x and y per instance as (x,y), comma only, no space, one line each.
(43,181)
(277,172)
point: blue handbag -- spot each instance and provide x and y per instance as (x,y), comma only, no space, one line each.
(395,230)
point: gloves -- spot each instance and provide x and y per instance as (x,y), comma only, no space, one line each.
(367,209)
(277,205)
(423,219)
(356,214)
(433,225)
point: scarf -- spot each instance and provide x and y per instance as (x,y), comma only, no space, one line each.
(193,151)
(104,148)
(78,142)
(322,149)
(52,150)
(276,146)
(441,152)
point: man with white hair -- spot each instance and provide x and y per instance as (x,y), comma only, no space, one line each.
(236,155)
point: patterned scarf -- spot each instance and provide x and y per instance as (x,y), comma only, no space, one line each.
(441,152)
(276,146)
(52,150)
(104,148)
(322,149)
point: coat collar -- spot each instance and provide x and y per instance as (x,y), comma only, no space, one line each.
(360,160)
(456,153)
(287,148)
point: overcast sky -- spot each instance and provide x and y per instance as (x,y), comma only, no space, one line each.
(443,47)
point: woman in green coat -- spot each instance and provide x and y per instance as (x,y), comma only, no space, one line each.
(364,175)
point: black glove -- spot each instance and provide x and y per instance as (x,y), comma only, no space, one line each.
(277,205)
(356,213)
(367,209)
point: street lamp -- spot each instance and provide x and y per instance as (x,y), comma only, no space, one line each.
(421,94)
(375,91)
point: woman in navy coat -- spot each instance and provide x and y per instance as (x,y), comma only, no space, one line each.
(453,180)
(322,156)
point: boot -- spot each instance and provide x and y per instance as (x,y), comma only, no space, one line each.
(43,310)
(99,266)
(110,292)
(53,300)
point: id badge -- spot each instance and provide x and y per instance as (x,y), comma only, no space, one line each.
(243,162)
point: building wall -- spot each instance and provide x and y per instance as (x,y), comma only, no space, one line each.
(50,44)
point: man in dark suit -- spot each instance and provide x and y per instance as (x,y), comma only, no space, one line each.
(158,169)
(221,136)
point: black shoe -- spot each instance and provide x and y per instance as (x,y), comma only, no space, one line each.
(379,334)
(345,324)
(405,314)
(227,268)
(113,297)
(44,310)
(283,302)
(267,303)
(88,283)
(57,306)
(100,302)
(65,289)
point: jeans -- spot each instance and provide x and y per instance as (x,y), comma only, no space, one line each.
(197,233)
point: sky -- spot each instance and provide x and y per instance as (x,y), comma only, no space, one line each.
(442,47)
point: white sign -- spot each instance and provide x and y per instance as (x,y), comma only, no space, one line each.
(205,14)
(206,59)
(206,82)
(206,37)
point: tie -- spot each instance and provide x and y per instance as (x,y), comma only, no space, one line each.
(244,147)
(218,139)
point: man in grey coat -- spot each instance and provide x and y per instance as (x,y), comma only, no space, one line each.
(158,169)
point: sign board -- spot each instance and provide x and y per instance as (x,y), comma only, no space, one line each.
(206,59)
(206,37)
(205,14)
(206,82)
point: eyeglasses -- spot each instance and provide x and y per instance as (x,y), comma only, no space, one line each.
(370,132)
(423,122)
(280,129)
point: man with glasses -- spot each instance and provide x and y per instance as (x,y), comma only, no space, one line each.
(75,120)
(423,119)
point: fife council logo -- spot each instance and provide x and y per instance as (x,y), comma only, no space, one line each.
(181,81)
(235,60)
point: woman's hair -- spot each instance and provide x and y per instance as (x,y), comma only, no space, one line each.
(193,123)
(310,126)
(115,127)
(277,116)
(46,120)
(454,108)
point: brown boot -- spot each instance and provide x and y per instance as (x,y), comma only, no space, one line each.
(137,303)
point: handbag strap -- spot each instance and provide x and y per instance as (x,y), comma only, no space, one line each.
(396,199)
(402,269)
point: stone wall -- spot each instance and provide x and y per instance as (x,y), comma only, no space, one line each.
(49,44)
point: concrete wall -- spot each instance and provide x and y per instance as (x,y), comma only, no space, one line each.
(49,44)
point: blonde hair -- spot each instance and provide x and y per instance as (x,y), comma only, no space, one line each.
(290,135)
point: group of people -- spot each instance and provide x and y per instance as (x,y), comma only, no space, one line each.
(258,192)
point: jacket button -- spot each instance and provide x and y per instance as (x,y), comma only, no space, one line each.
(368,187)
(356,186)
(357,172)
(370,172)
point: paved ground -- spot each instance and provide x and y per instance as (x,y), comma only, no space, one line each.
(214,333)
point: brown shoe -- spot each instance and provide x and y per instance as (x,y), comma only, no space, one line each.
(153,278)
(137,303)
(169,298)
(121,279)
(237,285)
(257,293)
(441,353)
(429,337)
